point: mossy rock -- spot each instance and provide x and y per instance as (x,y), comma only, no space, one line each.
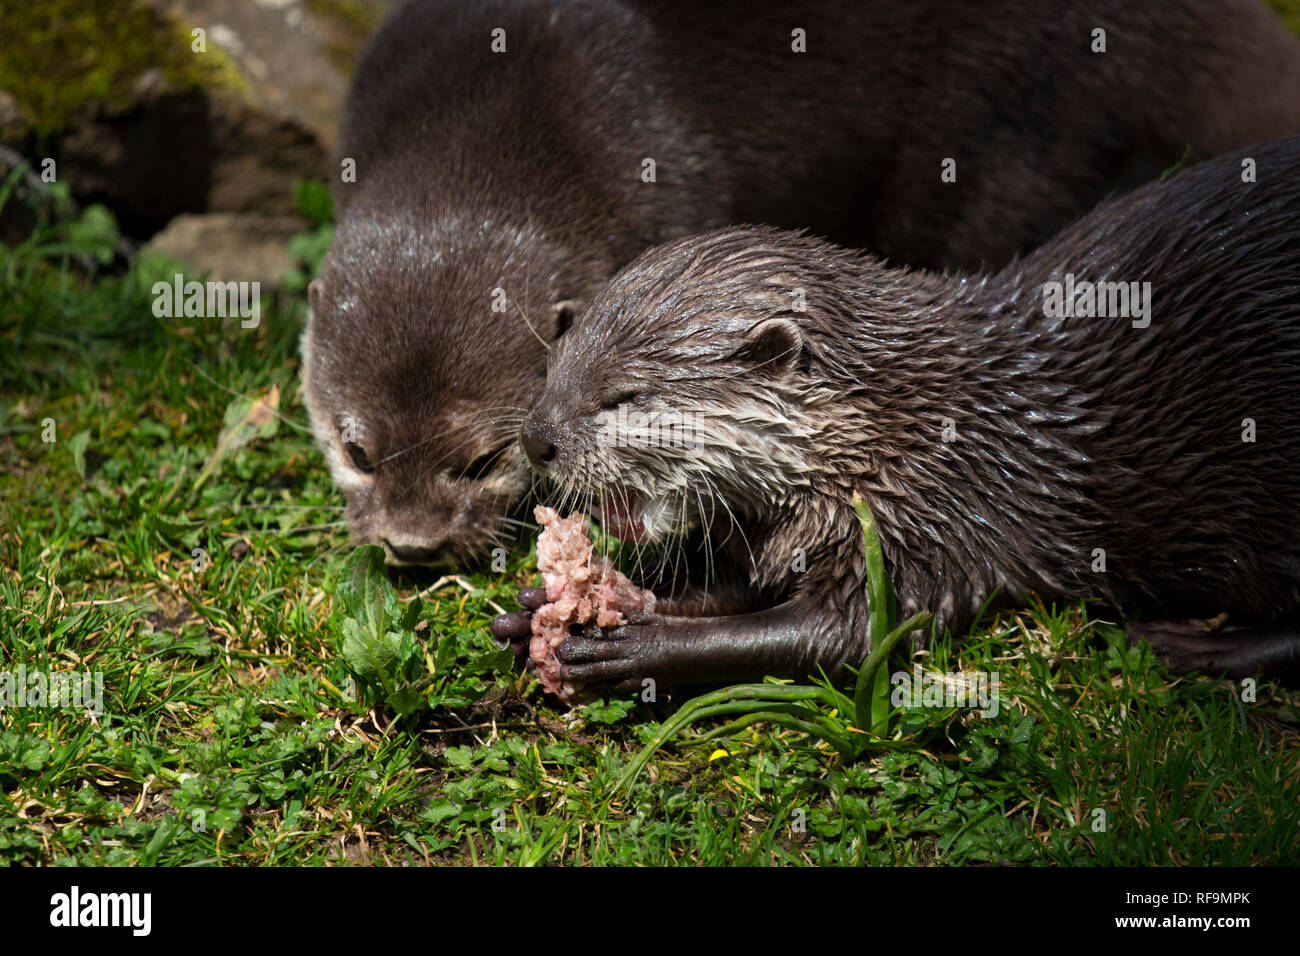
(354,22)
(139,119)
(61,55)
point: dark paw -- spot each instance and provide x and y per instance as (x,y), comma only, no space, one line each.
(1271,651)
(1187,647)
(516,628)
(615,660)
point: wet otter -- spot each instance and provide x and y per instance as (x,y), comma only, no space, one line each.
(502,177)
(1008,431)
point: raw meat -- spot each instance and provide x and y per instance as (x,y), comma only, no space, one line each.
(581,586)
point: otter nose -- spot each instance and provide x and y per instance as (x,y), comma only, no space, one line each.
(537,445)
(409,552)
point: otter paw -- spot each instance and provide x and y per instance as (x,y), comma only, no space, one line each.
(1270,651)
(616,659)
(516,628)
(1188,646)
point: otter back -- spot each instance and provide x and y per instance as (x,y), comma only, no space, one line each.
(510,156)
(1111,417)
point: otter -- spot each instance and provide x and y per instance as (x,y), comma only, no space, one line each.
(1112,417)
(511,156)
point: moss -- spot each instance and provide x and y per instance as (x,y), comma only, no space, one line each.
(1289,11)
(61,54)
(349,25)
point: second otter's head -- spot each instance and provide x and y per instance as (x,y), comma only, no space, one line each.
(426,345)
(682,395)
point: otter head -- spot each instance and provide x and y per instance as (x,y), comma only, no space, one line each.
(425,346)
(678,397)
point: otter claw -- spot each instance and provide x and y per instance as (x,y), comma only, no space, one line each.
(532,598)
(599,673)
(516,630)
(511,627)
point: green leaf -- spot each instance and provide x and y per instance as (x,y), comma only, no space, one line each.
(247,417)
(94,233)
(11,182)
(410,616)
(77,445)
(391,660)
(366,591)
(313,199)
(438,811)
(406,699)
(184,532)
(373,658)
(867,693)
(609,711)
(460,757)
(307,251)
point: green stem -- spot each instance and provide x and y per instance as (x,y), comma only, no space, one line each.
(825,727)
(729,700)
(877,676)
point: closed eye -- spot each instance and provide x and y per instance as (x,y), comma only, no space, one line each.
(359,459)
(482,466)
(626,397)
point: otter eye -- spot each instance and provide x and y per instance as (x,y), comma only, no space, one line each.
(482,466)
(626,397)
(563,319)
(358,456)
(565,312)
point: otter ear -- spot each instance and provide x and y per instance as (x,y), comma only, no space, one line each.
(316,295)
(563,314)
(773,344)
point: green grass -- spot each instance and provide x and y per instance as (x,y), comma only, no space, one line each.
(241,727)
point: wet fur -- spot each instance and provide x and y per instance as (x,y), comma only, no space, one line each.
(521,171)
(1073,433)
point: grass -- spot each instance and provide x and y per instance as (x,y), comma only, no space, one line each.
(252,693)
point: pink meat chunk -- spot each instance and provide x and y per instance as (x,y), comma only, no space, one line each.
(581,586)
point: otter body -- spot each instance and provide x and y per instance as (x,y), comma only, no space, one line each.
(1003,439)
(511,156)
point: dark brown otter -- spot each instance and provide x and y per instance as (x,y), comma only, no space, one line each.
(1151,459)
(496,191)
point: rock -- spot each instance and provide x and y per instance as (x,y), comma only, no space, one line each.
(117,157)
(230,247)
(156,129)
(14,123)
(283,48)
(188,151)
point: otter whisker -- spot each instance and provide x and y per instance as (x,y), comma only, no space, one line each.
(272,505)
(323,526)
(545,344)
(706,525)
